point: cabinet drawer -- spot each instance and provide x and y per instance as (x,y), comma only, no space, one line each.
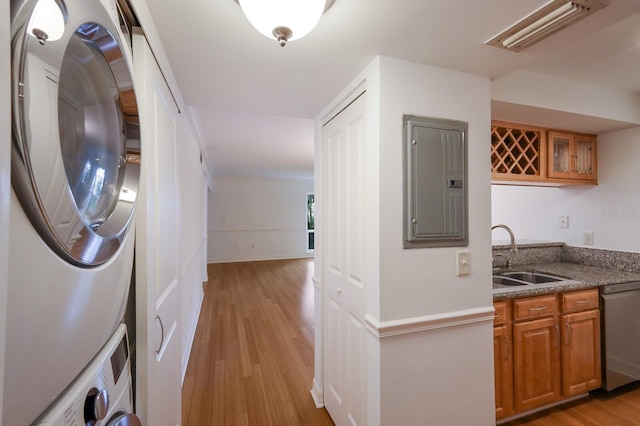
(580,300)
(535,307)
(500,317)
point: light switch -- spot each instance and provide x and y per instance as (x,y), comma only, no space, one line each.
(463,265)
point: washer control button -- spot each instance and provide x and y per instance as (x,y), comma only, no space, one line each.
(96,405)
(125,420)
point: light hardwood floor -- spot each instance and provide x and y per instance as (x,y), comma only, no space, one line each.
(618,408)
(252,357)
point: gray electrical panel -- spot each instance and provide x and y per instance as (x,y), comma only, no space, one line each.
(435,182)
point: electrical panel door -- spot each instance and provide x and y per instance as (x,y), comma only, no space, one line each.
(435,187)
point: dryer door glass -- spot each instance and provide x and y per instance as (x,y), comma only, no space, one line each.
(76,150)
(92,136)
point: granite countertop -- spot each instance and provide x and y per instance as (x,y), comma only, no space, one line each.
(577,276)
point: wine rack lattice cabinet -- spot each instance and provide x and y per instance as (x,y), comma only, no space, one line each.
(531,155)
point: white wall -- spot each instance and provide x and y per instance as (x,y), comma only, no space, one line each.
(257,219)
(610,210)
(567,96)
(5,149)
(420,284)
(429,346)
(411,277)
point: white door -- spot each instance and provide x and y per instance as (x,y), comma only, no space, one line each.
(343,167)
(158,398)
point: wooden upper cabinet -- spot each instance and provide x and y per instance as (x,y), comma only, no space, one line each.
(531,155)
(518,152)
(572,156)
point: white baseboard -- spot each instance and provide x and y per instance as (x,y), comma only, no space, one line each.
(261,258)
(317,393)
(191,337)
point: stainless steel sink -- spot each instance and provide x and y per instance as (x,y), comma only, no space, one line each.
(521,278)
(502,280)
(532,277)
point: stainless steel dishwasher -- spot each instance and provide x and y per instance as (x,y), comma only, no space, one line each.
(620,305)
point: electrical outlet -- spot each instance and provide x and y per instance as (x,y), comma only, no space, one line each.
(587,238)
(563,221)
(463,265)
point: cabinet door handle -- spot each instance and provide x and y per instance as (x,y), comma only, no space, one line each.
(508,351)
(558,336)
(161,334)
(568,334)
(538,309)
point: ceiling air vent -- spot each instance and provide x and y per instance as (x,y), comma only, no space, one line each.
(544,22)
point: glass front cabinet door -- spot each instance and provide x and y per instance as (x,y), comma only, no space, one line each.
(572,156)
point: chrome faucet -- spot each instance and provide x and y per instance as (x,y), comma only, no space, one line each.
(514,247)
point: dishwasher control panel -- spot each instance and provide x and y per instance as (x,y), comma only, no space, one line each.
(617,288)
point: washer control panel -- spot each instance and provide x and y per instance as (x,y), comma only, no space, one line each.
(102,392)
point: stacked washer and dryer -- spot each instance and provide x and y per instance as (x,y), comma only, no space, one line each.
(75,170)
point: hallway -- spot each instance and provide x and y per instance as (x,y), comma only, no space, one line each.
(252,356)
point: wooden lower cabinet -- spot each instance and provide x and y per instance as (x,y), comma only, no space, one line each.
(555,350)
(581,367)
(503,368)
(536,357)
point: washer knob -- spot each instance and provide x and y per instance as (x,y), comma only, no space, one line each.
(126,420)
(96,405)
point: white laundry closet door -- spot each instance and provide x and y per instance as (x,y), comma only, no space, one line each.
(343,174)
(158,399)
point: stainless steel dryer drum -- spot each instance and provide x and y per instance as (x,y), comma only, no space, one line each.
(76,147)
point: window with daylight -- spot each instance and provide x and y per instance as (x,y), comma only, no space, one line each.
(311,209)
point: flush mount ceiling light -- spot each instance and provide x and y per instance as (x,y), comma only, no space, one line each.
(284,20)
(542,23)
(47,21)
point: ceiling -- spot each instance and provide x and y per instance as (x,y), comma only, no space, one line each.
(255,101)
